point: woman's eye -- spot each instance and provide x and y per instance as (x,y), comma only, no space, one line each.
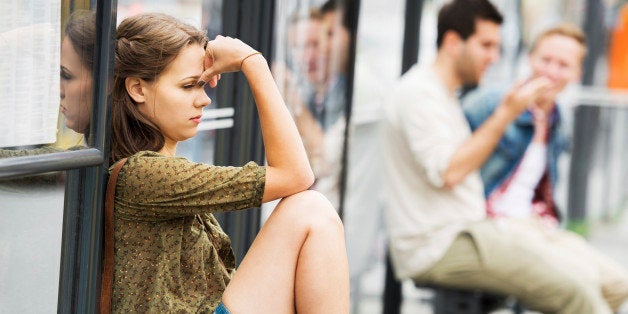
(189,86)
(65,76)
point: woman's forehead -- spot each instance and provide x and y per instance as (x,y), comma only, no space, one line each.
(189,62)
(68,53)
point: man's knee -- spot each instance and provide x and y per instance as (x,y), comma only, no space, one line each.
(566,294)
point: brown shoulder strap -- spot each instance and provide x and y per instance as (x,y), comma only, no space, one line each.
(107,274)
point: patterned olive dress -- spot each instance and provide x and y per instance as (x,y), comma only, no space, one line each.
(171,256)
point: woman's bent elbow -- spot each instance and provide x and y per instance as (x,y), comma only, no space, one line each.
(304,180)
(309,178)
(302,183)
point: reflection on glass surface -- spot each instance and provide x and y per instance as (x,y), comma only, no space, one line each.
(48,77)
(310,66)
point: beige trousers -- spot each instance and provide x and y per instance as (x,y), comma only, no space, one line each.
(547,269)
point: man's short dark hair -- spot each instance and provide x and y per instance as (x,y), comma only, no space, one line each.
(347,9)
(460,16)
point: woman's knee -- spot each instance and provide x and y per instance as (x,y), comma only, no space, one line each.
(310,208)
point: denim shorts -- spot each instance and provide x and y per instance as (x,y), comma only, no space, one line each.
(221,309)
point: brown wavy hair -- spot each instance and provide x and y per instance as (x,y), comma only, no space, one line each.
(145,45)
(81,31)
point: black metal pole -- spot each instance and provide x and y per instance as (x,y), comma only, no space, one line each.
(596,38)
(585,116)
(88,257)
(69,243)
(586,127)
(252,22)
(411,34)
(352,15)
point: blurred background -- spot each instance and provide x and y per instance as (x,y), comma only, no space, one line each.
(336,64)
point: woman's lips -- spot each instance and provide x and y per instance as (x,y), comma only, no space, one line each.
(196,119)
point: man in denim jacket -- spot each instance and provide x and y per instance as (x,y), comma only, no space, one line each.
(502,163)
(520,176)
(509,153)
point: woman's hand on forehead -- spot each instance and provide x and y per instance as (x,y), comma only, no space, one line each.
(223,55)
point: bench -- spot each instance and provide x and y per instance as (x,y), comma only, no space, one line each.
(446,300)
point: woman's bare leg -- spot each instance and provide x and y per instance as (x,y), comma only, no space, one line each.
(298,261)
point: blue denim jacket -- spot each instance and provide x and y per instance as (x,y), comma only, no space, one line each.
(478,106)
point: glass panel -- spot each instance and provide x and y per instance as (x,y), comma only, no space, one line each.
(206,14)
(28,115)
(49,75)
(189,11)
(31,219)
(47,96)
(201,148)
(310,65)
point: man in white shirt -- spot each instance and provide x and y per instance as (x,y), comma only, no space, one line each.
(435,211)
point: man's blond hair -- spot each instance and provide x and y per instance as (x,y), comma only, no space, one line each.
(563,29)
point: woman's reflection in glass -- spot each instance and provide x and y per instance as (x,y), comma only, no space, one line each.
(77,51)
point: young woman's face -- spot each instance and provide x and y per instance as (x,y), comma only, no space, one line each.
(174,101)
(76,89)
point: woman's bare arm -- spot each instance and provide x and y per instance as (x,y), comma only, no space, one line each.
(288,170)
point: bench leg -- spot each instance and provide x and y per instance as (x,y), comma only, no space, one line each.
(392,290)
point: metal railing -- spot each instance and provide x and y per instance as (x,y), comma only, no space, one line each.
(26,165)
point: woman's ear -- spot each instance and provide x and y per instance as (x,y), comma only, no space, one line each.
(134,86)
